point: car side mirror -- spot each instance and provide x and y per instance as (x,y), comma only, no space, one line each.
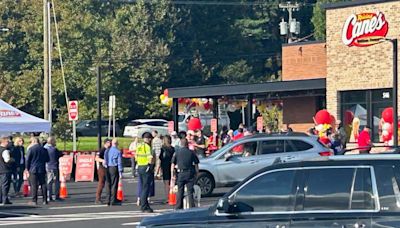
(223,205)
(228,156)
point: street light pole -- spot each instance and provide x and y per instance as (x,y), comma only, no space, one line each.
(98,108)
(395,92)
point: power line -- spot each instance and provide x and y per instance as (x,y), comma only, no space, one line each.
(205,3)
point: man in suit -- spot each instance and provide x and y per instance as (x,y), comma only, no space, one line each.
(36,165)
(18,154)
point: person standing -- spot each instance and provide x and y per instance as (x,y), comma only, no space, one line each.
(175,141)
(18,154)
(200,144)
(36,165)
(167,152)
(145,162)
(101,170)
(52,168)
(113,158)
(186,163)
(5,171)
(364,141)
(156,145)
(132,150)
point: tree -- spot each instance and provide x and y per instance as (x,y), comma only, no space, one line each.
(319,19)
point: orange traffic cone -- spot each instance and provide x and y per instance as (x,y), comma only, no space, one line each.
(25,187)
(63,187)
(120,192)
(171,198)
(172,194)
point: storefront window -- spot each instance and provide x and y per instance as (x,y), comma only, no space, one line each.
(364,107)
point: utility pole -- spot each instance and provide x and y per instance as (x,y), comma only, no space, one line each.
(292,25)
(98,108)
(49,49)
(46,60)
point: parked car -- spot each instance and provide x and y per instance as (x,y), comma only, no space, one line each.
(235,161)
(89,128)
(339,191)
(205,118)
(136,128)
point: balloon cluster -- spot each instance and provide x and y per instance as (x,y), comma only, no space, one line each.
(324,121)
(165,100)
(200,104)
(387,126)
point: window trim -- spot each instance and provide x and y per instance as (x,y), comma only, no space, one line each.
(374,191)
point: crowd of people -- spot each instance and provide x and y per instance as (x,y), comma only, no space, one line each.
(39,164)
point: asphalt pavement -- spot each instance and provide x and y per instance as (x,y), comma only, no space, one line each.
(79,210)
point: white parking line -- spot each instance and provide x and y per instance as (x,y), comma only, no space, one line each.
(130,224)
(35,219)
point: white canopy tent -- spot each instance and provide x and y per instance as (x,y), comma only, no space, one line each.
(15,120)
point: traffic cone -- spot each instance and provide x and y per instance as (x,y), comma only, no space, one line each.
(171,198)
(120,192)
(172,194)
(25,187)
(63,187)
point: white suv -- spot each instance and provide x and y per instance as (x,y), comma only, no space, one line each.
(136,128)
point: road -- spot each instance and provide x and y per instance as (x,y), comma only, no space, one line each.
(78,210)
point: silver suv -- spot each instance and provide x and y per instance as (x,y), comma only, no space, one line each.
(235,161)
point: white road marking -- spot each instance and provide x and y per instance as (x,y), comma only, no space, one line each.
(130,224)
(35,219)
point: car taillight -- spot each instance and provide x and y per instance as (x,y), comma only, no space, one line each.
(326,153)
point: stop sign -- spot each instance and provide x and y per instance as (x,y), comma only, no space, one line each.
(73,110)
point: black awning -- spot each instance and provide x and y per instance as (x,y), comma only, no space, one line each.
(296,86)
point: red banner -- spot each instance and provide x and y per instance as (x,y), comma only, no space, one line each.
(66,163)
(84,168)
(260,123)
(214,127)
(171,126)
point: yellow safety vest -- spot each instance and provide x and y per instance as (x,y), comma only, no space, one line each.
(143,154)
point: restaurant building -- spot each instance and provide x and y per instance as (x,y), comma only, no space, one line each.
(359,76)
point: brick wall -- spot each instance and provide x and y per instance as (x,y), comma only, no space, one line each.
(303,61)
(358,68)
(298,112)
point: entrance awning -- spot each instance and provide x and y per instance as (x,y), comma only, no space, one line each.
(270,89)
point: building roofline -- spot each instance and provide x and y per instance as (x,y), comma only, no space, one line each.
(346,4)
(304,43)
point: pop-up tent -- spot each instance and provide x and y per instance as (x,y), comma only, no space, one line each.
(15,120)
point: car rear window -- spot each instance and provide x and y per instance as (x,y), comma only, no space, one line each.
(387,179)
(338,189)
(297,145)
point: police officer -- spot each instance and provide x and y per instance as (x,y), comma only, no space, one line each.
(187,166)
(145,163)
(5,170)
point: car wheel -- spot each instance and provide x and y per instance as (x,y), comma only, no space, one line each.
(206,183)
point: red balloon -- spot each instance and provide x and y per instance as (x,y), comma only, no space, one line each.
(323,117)
(166,92)
(188,101)
(194,124)
(207,105)
(387,115)
(348,117)
(181,100)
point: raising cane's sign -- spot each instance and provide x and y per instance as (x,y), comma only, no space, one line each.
(9,114)
(364,29)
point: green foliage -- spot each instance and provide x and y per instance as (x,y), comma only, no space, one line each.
(319,19)
(142,48)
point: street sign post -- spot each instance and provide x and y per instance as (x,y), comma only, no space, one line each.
(73,115)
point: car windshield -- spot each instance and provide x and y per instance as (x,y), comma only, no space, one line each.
(82,123)
(135,123)
(220,151)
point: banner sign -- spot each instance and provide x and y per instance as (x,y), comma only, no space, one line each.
(260,123)
(364,29)
(66,163)
(84,168)
(214,127)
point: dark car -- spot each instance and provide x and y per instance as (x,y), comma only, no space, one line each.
(89,128)
(340,191)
